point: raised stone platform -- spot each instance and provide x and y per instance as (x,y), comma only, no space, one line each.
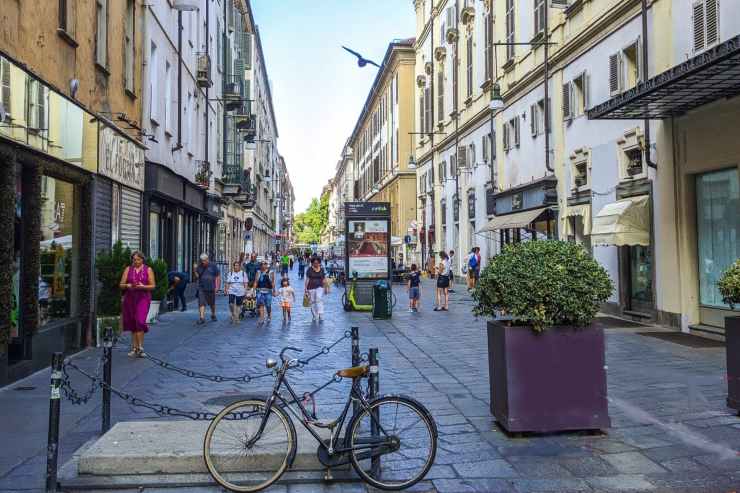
(170,453)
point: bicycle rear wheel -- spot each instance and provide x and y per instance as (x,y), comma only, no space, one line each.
(238,465)
(406,442)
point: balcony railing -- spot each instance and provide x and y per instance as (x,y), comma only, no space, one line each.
(203,174)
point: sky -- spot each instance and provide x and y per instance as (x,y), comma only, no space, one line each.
(317,88)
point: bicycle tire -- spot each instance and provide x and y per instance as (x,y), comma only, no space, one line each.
(424,417)
(244,487)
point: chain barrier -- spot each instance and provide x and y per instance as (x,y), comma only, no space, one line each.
(66,385)
(324,350)
(246,378)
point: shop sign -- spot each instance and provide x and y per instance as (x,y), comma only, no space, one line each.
(121,159)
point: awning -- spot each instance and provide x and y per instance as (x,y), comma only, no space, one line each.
(516,220)
(624,222)
(707,77)
(582,210)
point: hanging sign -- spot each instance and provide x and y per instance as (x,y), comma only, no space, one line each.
(121,159)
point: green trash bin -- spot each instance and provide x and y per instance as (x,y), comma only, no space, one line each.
(382,300)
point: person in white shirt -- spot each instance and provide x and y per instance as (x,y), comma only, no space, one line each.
(236,289)
(287,298)
(443,283)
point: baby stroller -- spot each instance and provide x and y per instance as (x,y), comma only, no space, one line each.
(249,307)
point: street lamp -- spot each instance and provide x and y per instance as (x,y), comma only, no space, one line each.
(412,162)
(497,102)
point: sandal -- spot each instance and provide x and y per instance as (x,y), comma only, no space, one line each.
(133,353)
(140,353)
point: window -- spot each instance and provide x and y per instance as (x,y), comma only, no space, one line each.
(422,125)
(718,230)
(5,87)
(485,146)
(443,210)
(101,35)
(440,96)
(634,162)
(428,109)
(631,159)
(511,133)
(167,98)
(453,166)
(625,68)
(153,84)
(471,155)
(36,98)
(510,29)
(537,118)
(469,62)
(539,16)
(471,212)
(442,172)
(575,97)
(129,48)
(219,49)
(154,235)
(58,261)
(706,24)
(488,51)
(492,138)
(580,169)
(67,16)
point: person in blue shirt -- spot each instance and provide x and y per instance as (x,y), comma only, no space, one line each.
(178,282)
(251,268)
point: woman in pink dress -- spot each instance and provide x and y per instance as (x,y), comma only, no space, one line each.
(137,282)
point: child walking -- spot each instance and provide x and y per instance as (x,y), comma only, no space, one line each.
(287,297)
(414,288)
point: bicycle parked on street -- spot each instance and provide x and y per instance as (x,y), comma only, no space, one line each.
(391,441)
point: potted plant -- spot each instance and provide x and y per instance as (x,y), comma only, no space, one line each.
(729,288)
(546,361)
(109,265)
(159,267)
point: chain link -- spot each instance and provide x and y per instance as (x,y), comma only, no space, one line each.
(325,349)
(66,385)
(246,378)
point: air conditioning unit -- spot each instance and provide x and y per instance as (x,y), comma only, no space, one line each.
(203,73)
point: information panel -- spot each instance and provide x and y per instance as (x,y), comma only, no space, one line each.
(368,239)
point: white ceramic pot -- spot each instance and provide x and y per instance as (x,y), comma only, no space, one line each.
(151,317)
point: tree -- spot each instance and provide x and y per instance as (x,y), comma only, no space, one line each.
(309,225)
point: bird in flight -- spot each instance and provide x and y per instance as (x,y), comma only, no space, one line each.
(361,61)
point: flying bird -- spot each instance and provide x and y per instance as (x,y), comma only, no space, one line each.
(361,61)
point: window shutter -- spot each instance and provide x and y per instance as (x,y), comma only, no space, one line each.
(614,74)
(712,19)
(699,37)
(440,96)
(493,145)
(421,114)
(428,109)
(638,58)
(5,83)
(567,115)
(484,148)
(516,131)
(533,119)
(586,91)
(462,157)
(506,136)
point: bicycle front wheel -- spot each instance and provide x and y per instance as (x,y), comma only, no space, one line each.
(238,461)
(402,436)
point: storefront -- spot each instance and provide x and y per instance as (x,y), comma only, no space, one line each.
(48,154)
(177,224)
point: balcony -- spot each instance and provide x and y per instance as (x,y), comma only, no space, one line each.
(233,96)
(203,174)
(203,73)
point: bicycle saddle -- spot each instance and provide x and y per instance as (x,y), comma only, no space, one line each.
(353,372)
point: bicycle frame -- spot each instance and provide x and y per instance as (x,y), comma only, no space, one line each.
(304,417)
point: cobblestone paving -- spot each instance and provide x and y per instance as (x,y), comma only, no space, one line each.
(671,430)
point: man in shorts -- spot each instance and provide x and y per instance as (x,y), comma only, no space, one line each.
(209,280)
(414,288)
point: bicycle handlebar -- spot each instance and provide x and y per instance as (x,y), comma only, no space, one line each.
(289,348)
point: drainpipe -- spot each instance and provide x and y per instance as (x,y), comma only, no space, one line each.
(548,166)
(179,82)
(457,115)
(210,66)
(645,68)
(431,139)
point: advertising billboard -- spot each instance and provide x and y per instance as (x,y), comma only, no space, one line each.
(367,243)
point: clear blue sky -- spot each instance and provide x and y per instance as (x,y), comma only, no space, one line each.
(317,88)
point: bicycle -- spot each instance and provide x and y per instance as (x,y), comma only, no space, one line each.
(252,433)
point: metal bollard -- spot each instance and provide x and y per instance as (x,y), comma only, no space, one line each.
(52,444)
(107,376)
(356,360)
(373,386)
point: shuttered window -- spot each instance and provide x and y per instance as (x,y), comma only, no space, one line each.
(615,65)
(469,61)
(516,131)
(539,16)
(706,24)
(533,120)
(131,218)
(507,137)
(421,114)
(36,97)
(101,34)
(462,157)
(488,51)
(5,87)
(428,109)
(510,33)
(440,96)
(567,101)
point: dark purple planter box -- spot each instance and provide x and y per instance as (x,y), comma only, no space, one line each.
(548,381)
(732,344)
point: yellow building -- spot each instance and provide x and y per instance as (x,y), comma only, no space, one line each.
(381,143)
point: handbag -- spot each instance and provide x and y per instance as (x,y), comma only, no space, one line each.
(306,300)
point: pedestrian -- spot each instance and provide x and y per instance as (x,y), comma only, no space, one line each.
(209,281)
(284,264)
(316,287)
(251,268)
(443,283)
(138,283)
(178,281)
(301,267)
(287,298)
(236,290)
(292,258)
(264,284)
(414,288)
(430,265)
(473,267)
(451,258)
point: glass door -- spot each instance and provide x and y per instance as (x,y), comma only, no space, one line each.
(641,278)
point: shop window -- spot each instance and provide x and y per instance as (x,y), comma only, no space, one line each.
(154,239)
(57,250)
(718,230)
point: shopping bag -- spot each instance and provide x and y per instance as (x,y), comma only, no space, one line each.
(306,300)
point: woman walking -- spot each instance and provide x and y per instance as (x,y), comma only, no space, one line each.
(301,267)
(236,289)
(443,283)
(264,284)
(138,283)
(316,288)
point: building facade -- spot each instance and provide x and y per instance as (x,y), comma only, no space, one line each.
(381,144)
(69,132)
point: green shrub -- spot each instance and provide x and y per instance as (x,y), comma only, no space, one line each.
(109,265)
(729,284)
(543,283)
(159,267)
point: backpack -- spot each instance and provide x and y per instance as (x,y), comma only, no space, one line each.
(473,261)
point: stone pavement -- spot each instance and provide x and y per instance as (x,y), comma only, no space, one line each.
(671,430)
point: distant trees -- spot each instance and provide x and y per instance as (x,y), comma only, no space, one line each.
(309,225)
